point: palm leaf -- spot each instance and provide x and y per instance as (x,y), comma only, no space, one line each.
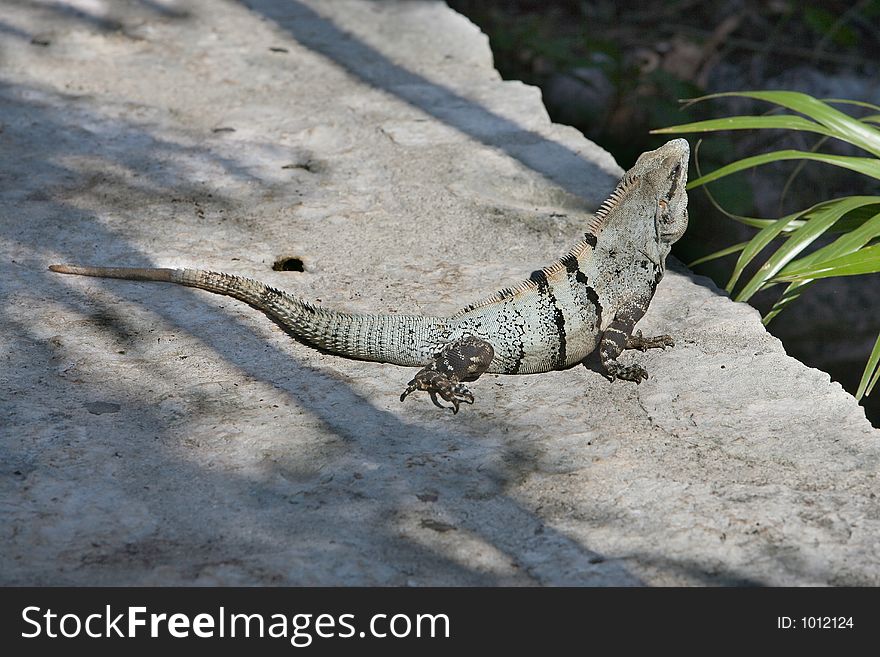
(755,246)
(844,245)
(864,165)
(736,248)
(863,261)
(790,294)
(820,220)
(779,122)
(842,125)
(857,103)
(856,219)
(848,243)
(871,373)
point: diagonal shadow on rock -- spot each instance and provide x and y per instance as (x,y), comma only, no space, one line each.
(213,516)
(553,160)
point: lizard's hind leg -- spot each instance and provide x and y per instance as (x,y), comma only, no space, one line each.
(464,359)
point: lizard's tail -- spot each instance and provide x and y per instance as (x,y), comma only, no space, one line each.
(398,339)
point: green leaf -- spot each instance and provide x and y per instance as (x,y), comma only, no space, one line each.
(719,254)
(841,124)
(748,221)
(843,245)
(791,293)
(871,373)
(754,222)
(778,122)
(845,224)
(756,245)
(857,103)
(820,220)
(856,218)
(865,165)
(858,230)
(850,221)
(798,168)
(863,261)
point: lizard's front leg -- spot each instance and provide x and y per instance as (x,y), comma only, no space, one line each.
(464,359)
(619,336)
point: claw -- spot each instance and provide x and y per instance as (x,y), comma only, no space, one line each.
(433,395)
(635,373)
(465,358)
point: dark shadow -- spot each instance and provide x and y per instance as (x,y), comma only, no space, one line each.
(6,28)
(73,13)
(162,10)
(64,13)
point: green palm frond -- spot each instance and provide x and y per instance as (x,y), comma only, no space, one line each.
(855,219)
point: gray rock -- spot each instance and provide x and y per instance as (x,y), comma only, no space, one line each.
(238,456)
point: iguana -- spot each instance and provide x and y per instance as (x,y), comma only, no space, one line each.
(591,297)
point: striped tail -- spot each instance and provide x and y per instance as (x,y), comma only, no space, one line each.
(397,339)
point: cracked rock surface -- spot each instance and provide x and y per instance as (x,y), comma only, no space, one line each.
(151,434)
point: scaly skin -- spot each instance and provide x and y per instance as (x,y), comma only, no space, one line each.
(591,297)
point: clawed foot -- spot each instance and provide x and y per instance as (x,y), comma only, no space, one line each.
(636,341)
(463,359)
(435,383)
(635,373)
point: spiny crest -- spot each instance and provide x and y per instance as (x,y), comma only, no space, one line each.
(598,222)
(588,242)
(610,203)
(614,198)
(501,295)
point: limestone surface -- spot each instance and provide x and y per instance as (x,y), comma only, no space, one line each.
(152,434)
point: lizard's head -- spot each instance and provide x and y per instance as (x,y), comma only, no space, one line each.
(662,176)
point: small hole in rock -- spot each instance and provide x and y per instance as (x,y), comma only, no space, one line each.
(288,264)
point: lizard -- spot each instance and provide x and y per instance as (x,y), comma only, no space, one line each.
(592,297)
